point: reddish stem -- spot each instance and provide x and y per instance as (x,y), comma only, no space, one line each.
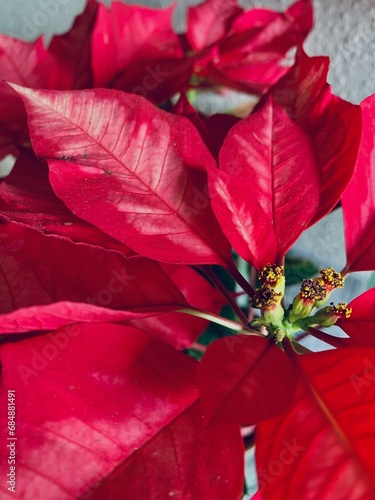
(237,276)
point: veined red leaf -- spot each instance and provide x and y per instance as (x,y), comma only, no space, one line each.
(184,329)
(333,125)
(26,197)
(323,446)
(124,415)
(267,189)
(134,171)
(245,379)
(360,325)
(38,270)
(358,200)
(210,21)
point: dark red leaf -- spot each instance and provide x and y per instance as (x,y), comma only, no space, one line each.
(358,201)
(72,50)
(26,197)
(323,447)
(37,270)
(184,329)
(132,170)
(245,379)
(267,189)
(210,21)
(360,325)
(106,411)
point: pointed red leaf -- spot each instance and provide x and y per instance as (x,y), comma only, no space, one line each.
(37,270)
(358,201)
(323,446)
(266,190)
(360,325)
(210,21)
(245,379)
(333,125)
(106,174)
(26,197)
(124,415)
(184,329)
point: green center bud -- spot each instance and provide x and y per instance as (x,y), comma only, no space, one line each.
(330,314)
(304,302)
(331,280)
(268,301)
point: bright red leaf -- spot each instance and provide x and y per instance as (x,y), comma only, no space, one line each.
(323,447)
(267,189)
(332,124)
(26,197)
(132,170)
(358,201)
(109,412)
(360,325)
(245,379)
(37,270)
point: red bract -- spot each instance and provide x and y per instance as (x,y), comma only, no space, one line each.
(333,125)
(132,170)
(266,189)
(38,270)
(124,406)
(358,201)
(360,325)
(322,447)
(246,50)
(245,379)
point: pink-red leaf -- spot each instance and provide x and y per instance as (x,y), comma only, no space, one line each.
(245,379)
(322,447)
(132,170)
(106,411)
(267,189)
(360,325)
(358,201)
(26,197)
(37,270)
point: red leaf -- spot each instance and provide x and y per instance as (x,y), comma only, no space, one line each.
(323,447)
(124,414)
(106,175)
(360,325)
(26,197)
(244,380)
(183,330)
(135,49)
(251,58)
(358,201)
(266,190)
(210,21)
(37,270)
(333,125)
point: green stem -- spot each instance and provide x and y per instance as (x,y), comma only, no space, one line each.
(219,320)
(225,293)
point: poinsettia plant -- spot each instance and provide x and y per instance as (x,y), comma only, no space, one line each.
(131,365)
